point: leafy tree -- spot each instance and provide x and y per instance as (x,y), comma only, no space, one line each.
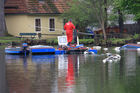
(131,7)
(118,8)
(81,15)
(3,30)
(89,12)
(127,7)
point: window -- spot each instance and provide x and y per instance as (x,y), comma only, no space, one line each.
(52,24)
(37,25)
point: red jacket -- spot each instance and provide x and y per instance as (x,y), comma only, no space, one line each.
(69,27)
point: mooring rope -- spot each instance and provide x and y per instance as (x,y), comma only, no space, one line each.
(61,30)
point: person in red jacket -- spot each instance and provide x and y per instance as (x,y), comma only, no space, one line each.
(69,27)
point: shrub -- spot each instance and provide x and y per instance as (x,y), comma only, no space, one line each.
(136,36)
(86,41)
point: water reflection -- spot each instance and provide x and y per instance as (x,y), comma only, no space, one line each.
(73,74)
(3,82)
(68,67)
(12,58)
(130,63)
(43,59)
(28,75)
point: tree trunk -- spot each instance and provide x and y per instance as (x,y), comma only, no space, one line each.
(3,30)
(105,3)
(104,33)
(121,25)
(138,22)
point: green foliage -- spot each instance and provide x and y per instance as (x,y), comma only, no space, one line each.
(136,36)
(86,41)
(113,18)
(9,38)
(89,13)
(9,41)
(129,6)
(52,41)
(84,14)
(119,40)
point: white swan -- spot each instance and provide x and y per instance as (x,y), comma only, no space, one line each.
(112,58)
(108,54)
(117,49)
(105,49)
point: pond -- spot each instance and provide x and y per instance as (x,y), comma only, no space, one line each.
(73,73)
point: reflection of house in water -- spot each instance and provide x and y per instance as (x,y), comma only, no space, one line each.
(43,59)
(38,77)
(68,66)
(16,77)
(12,58)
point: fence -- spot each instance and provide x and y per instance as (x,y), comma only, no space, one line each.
(111,35)
(132,28)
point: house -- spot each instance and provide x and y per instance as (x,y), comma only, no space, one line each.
(35,16)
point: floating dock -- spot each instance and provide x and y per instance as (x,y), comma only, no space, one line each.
(130,46)
(16,51)
(42,49)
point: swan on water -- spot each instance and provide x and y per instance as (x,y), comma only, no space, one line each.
(117,49)
(112,58)
(105,49)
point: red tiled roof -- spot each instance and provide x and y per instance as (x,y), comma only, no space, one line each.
(34,6)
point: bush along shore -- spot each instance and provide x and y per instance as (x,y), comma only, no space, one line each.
(88,42)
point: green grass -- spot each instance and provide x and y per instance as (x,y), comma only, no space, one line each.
(119,40)
(86,41)
(9,39)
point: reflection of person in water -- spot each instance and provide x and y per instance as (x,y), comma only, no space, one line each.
(70,72)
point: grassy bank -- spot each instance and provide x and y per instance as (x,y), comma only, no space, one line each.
(9,39)
(109,42)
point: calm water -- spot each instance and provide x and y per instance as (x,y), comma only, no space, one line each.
(73,74)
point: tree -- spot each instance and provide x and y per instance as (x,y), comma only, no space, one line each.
(132,7)
(128,7)
(89,12)
(3,30)
(81,15)
(119,10)
(121,22)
